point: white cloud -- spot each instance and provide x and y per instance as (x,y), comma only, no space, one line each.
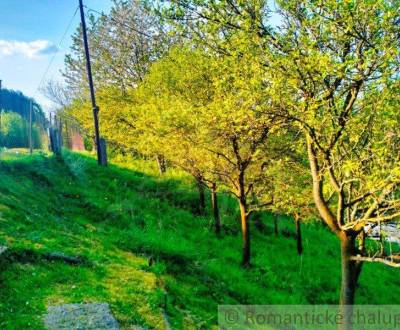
(31,50)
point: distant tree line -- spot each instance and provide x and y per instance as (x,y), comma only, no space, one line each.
(14,120)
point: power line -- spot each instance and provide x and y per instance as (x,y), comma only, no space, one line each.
(57,51)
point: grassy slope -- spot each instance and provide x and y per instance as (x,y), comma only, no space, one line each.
(118,218)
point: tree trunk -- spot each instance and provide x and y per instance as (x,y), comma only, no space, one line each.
(202,197)
(258,223)
(161,164)
(298,236)
(214,201)
(350,273)
(245,234)
(276,229)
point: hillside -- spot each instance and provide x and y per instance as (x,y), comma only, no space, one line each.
(140,244)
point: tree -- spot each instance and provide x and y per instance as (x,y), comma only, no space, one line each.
(123,44)
(334,68)
(58,93)
(292,192)
(340,63)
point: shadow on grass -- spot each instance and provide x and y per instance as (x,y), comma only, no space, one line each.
(31,256)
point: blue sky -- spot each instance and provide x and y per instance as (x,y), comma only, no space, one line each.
(30,32)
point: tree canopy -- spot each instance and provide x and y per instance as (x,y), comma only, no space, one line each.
(298,116)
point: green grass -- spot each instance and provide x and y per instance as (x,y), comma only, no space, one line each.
(120,217)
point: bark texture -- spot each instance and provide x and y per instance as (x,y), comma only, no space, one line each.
(202,196)
(214,202)
(245,234)
(351,270)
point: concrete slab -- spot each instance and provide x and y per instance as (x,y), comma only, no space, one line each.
(93,316)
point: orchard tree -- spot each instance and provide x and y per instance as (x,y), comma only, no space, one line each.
(236,128)
(58,93)
(123,44)
(292,192)
(337,76)
(116,122)
(176,87)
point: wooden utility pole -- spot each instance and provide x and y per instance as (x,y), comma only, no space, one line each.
(100,143)
(30,127)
